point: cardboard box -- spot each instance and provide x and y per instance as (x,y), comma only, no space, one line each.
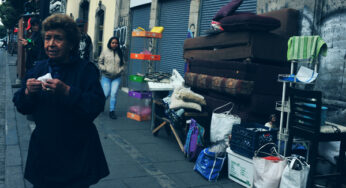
(240,169)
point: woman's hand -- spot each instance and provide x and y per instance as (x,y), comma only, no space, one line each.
(24,42)
(33,86)
(56,86)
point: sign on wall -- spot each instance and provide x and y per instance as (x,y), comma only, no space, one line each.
(135,3)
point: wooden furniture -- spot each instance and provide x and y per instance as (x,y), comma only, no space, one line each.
(158,116)
(159,120)
(305,122)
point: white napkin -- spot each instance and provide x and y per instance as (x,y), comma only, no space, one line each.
(45,77)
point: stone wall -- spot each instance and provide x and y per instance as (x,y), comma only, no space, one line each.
(326,18)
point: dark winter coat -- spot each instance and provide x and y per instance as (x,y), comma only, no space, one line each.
(34,50)
(64,148)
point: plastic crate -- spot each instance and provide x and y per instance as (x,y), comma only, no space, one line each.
(138,117)
(140,94)
(145,57)
(247,138)
(137,78)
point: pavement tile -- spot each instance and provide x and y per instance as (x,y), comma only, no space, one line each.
(11,133)
(161,154)
(109,184)
(142,182)
(121,171)
(174,167)
(14,177)
(190,179)
(13,157)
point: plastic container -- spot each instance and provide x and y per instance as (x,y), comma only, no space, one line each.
(145,57)
(240,169)
(137,78)
(138,117)
(249,137)
(140,94)
(323,112)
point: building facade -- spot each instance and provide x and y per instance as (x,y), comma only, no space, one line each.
(326,18)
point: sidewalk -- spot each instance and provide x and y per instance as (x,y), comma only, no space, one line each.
(135,157)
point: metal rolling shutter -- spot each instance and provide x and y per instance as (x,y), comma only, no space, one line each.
(174,18)
(140,18)
(210,7)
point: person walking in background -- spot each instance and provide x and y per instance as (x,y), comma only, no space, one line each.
(85,44)
(34,44)
(65,149)
(111,66)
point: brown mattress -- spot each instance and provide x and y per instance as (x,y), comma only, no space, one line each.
(264,76)
(256,108)
(228,86)
(258,46)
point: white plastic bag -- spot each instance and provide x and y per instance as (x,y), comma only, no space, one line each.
(292,178)
(267,172)
(222,123)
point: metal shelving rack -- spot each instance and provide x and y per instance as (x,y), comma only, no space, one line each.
(284,105)
(143,94)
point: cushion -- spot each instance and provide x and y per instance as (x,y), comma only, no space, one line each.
(189,96)
(228,9)
(249,22)
(177,102)
(289,21)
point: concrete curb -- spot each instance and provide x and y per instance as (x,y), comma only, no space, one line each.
(13,161)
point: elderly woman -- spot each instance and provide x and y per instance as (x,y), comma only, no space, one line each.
(65,149)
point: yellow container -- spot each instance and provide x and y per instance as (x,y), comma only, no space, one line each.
(157,29)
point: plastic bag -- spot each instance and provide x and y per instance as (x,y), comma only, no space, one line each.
(209,165)
(222,123)
(295,174)
(268,170)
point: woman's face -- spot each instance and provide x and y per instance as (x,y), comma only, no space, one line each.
(56,46)
(35,27)
(114,44)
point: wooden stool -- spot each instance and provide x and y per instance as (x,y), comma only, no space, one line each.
(168,122)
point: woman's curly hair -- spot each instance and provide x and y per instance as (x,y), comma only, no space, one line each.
(65,23)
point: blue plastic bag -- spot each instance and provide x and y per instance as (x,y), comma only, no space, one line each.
(209,165)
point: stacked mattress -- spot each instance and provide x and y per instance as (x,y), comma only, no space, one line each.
(242,67)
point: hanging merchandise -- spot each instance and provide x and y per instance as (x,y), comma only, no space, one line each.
(222,123)
(268,170)
(295,174)
(209,164)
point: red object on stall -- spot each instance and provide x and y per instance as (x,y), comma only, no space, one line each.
(15,30)
(29,24)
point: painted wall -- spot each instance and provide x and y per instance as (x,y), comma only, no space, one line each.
(326,18)
(122,27)
(72,8)
(109,18)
